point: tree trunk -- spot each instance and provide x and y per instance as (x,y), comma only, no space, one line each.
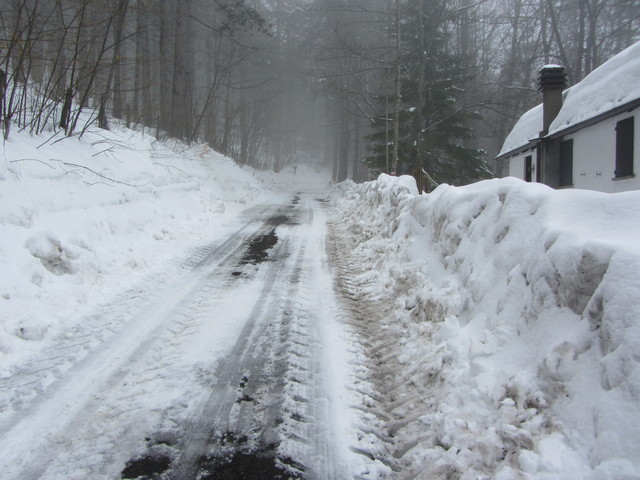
(422,65)
(396,115)
(66,109)
(58,65)
(180,97)
(343,160)
(118,91)
(359,169)
(580,50)
(3,89)
(228,121)
(592,36)
(142,88)
(544,35)
(166,47)
(560,41)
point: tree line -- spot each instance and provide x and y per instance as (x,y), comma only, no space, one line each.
(186,68)
(436,85)
(429,87)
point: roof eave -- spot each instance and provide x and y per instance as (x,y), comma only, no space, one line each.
(627,107)
(530,145)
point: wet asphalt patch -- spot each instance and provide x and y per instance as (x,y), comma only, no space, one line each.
(258,249)
(156,461)
(234,459)
(146,467)
(258,464)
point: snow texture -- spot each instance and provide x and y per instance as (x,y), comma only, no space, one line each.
(119,298)
(511,310)
(96,215)
(512,321)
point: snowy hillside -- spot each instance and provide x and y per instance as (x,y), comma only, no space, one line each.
(509,332)
(82,220)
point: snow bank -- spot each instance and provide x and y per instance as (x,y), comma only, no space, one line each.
(81,220)
(515,310)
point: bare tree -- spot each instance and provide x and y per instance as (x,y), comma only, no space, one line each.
(142,87)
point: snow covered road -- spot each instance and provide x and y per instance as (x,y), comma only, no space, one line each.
(234,363)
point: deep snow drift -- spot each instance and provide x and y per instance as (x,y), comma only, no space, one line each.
(514,315)
(82,220)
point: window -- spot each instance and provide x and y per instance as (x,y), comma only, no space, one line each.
(566,163)
(624,148)
(528,168)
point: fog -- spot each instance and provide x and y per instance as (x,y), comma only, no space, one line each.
(355,86)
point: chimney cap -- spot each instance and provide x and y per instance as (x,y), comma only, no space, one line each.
(552,77)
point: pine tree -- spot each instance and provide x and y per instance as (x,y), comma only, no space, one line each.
(433,122)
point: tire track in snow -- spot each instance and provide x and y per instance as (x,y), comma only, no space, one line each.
(33,381)
(259,414)
(55,403)
(374,380)
(238,377)
(153,393)
(266,415)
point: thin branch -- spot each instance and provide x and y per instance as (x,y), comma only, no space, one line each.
(75,165)
(32,160)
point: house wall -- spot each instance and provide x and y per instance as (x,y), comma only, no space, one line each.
(594,156)
(517,162)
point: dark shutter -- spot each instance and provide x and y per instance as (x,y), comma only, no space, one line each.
(566,163)
(624,148)
(528,167)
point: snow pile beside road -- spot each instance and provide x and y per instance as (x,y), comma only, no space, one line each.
(81,220)
(513,314)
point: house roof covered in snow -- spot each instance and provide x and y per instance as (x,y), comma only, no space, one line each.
(613,85)
(525,130)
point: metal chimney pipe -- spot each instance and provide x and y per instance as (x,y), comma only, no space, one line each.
(552,80)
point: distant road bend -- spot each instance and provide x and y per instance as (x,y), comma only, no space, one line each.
(221,367)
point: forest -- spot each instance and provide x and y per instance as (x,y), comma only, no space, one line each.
(359,86)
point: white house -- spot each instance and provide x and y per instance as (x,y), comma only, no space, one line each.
(584,136)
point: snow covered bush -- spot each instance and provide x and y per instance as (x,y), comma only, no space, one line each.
(514,318)
(46,247)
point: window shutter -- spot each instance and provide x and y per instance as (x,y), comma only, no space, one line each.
(566,163)
(624,148)
(528,168)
